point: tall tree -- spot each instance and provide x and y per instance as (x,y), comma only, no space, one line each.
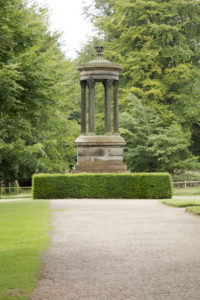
(157,43)
(36,133)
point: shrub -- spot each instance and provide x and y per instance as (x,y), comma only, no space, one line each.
(187,175)
(87,185)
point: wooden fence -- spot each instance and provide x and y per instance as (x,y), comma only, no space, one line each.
(186,184)
(13,190)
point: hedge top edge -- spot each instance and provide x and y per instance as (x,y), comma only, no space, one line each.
(102,174)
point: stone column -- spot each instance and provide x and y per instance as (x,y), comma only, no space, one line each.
(83,106)
(91,84)
(116,84)
(108,84)
(104,84)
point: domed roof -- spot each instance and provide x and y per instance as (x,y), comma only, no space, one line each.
(99,62)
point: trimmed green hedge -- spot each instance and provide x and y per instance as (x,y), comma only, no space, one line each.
(87,185)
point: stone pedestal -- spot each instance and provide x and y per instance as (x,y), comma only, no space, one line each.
(100,154)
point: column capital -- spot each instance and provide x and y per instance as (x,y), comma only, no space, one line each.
(108,82)
(83,83)
(91,83)
(116,84)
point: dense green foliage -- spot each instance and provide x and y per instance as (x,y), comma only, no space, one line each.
(151,146)
(36,101)
(187,175)
(23,235)
(157,43)
(138,185)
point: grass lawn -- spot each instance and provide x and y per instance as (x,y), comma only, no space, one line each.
(24,195)
(181,202)
(193,209)
(23,235)
(191,205)
(193,191)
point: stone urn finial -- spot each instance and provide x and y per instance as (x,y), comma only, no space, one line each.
(99,50)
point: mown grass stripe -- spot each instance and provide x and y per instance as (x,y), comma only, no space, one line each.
(23,235)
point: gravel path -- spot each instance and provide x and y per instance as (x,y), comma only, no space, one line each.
(120,250)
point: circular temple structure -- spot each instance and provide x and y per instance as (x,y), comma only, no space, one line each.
(99,153)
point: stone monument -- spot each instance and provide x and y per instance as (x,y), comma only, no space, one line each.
(99,153)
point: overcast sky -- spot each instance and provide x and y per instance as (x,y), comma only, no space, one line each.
(66,16)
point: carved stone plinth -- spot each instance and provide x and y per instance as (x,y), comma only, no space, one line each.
(100,154)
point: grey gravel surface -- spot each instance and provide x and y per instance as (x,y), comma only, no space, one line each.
(120,250)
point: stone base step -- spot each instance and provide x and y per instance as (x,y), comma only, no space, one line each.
(100,168)
(99,171)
